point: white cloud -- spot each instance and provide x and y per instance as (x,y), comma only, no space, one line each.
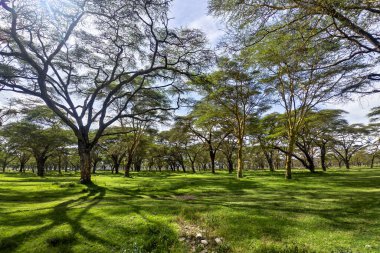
(358,107)
(193,14)
(209,26)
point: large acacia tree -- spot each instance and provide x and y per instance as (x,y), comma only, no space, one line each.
(87,59)
(354,23)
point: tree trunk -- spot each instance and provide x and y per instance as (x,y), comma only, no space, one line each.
(230,165)
(347,163)
(22,167)
(193,166)
(85,162)
(128,167)
(373,161)
(323,157)
(269,158)
(311,165)
(116,167)
(94,166)
(212,158)
(41,166)
(288,157)
(240,162)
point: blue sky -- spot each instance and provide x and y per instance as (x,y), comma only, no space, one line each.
(193,14)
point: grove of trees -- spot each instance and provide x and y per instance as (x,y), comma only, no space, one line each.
(100,84)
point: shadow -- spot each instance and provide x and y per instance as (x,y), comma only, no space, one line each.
(58,215)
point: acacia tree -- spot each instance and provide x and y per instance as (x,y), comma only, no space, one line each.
(267,132)
(293,65)
(321,126)
(39,141)
(349,139)
(236,90)
(82,57)
(353,23)
(207,122)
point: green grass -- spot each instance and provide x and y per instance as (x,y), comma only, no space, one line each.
(325,212)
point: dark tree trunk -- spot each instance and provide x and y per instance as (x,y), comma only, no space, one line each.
(323,157)
(212,158)
(84,152)
(193,166)
(230,165)
(269,157)
(116,167)
(94,166)
(41,166)
(347,163)
(128,167)
(22,167)
(310,165)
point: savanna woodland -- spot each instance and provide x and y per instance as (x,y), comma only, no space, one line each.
(122,131)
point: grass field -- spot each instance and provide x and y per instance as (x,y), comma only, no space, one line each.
(332,212)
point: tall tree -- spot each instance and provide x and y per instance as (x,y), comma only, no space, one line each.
(83,57)
(292,63)
(237,91)
(207,122)
(353,23)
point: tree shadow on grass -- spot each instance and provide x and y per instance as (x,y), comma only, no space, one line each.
(59,216)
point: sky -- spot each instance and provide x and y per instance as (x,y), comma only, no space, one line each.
(194,14)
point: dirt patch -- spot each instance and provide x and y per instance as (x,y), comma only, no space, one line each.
(200,240)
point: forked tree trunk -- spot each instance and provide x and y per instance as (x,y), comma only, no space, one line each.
(269,157)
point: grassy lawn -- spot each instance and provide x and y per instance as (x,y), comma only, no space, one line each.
(331,212)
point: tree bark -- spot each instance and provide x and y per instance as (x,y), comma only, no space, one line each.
(323,157)
(373,161)
(230,165)
(347,163)
(128,167)
(94,166)
(116,167)
(269,157)
(288,156)
(41,166)
(85,162)
(193,166)
(240,162)
(212,158)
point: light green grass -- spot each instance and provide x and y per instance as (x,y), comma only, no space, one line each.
(331,212)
